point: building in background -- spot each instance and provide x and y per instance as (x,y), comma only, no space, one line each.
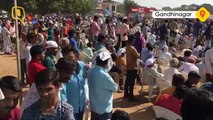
(106,5)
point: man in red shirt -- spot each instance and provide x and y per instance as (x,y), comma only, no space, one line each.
(35,66)
(173,102)
(11,89)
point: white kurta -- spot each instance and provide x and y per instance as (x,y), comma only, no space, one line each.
(6,40)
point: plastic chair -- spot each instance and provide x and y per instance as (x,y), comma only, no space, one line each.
(161,112)
(163,84)
(1,95)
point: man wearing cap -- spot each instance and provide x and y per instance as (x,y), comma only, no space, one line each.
(150,74)
(131,56)
(101,88)
(52,48)
(121,62)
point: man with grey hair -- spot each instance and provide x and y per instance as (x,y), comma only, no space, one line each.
(168,73)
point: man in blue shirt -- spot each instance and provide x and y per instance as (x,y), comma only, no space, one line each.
(73,91)
(101,42)
(101,88)
(72,40)
(147,53)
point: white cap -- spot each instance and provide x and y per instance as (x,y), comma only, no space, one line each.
(1,95)
(150,61)
(120,51)
(104,56)
(51,44)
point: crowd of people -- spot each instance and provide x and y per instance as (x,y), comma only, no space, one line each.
(74,65)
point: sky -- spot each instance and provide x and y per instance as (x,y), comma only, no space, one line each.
(171,3)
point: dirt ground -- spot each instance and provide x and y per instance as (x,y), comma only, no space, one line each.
(137,110)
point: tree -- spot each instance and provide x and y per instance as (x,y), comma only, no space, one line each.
(192,7)
(81,6)
(75,6)
(120,8)
(166,8)
(6,5)
(128,5)
(51,6)
(208,7)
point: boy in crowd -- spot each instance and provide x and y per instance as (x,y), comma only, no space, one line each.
(11,89)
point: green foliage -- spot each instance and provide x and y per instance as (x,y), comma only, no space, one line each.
(192,7)
(82,6)
(6,5)
(166,8)
(128,5)
(120,8)
(50,6)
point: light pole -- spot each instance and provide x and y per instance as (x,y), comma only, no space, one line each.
(17,43)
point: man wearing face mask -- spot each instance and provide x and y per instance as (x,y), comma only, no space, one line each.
(101,88)
(11,90)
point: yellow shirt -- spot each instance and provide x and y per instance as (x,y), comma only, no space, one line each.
(131,57)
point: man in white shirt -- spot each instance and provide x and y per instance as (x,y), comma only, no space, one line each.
(123,31)
(13,33)
(168,74)
(32,40)
(209,64)
(187,67)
